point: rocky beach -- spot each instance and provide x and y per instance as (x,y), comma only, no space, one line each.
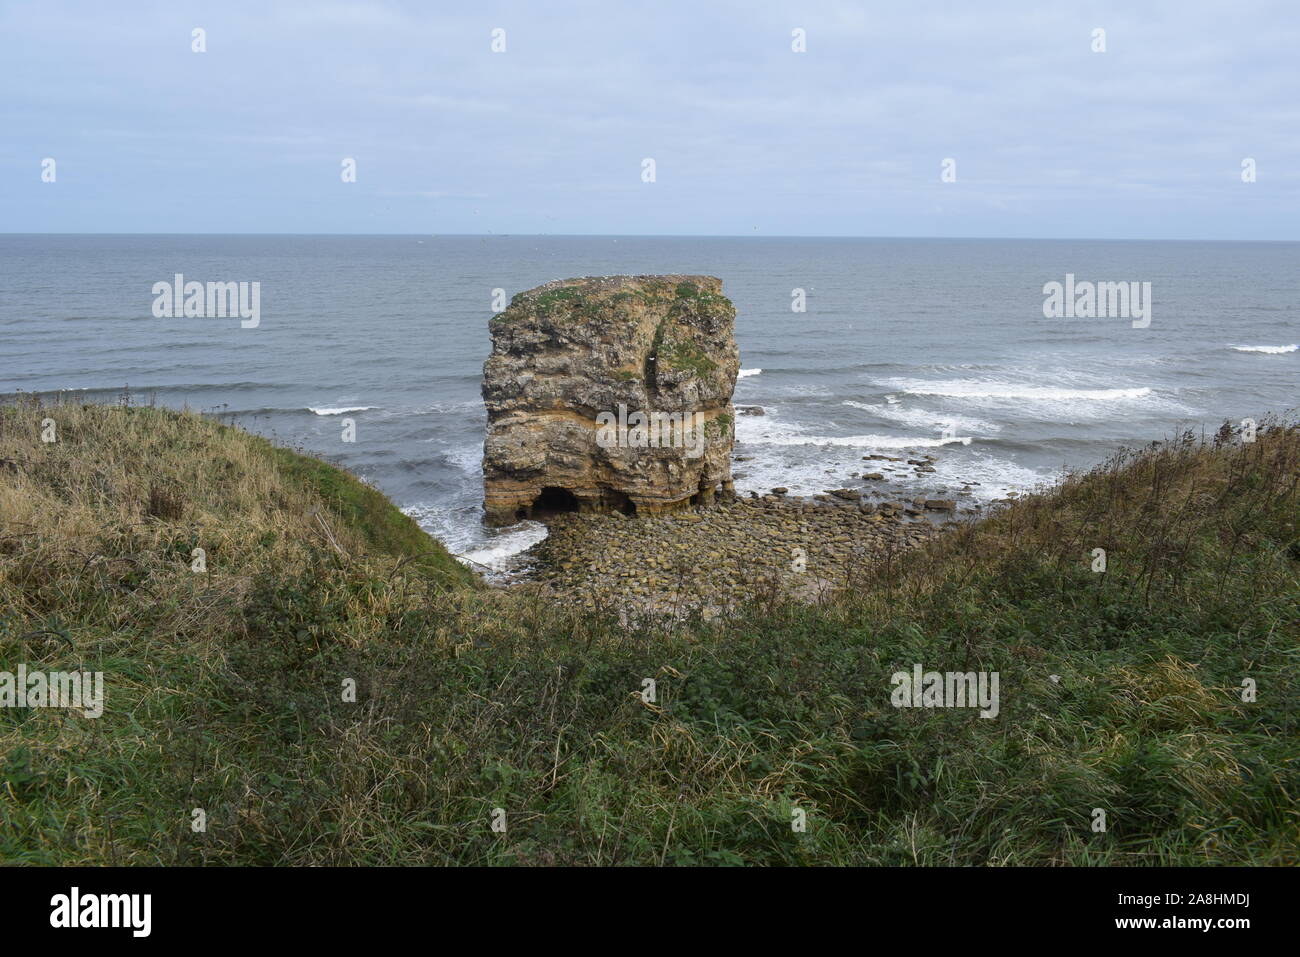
(711,558)
(639,518)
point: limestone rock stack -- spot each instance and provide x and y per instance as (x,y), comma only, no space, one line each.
(610,394)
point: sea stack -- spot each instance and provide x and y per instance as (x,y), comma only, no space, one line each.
(610,394)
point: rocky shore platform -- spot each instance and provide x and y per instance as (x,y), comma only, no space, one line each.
(710,558)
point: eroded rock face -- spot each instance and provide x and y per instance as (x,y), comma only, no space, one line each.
(610,393)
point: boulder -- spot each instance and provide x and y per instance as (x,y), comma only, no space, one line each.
(610,394)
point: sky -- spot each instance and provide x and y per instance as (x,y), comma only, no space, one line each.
(1048,137)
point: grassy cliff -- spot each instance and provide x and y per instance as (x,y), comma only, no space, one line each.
(226,688)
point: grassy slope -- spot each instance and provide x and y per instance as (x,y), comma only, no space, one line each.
(224,688)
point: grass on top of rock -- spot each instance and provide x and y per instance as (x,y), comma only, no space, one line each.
(558,300)
(228,690)
(574,302)
(700,299)
(578,301)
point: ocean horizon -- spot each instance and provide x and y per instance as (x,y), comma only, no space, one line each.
(908,344)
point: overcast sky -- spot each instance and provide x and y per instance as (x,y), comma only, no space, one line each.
(1050,139)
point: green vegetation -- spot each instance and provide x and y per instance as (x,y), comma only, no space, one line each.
(673,353)
(224,689)
(718,426)
(557,300)
(685,355)
(575,302)
(693,296)
(384,528)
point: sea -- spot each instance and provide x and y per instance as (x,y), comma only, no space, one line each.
(850,347)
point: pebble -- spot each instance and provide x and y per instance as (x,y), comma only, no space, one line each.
(711,557)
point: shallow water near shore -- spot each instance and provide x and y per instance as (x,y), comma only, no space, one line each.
(907,348)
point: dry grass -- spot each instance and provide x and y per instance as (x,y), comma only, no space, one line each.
(224,687)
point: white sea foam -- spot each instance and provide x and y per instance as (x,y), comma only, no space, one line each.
(466,405)
(762,430)
(862,441)
(746,373)
(804,390)
(996,476)
(925,419)
(462,531)
(342,410)
(978,389)
(1270,350)
(507,544)
(467,458)
(787,454)
(808,472)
